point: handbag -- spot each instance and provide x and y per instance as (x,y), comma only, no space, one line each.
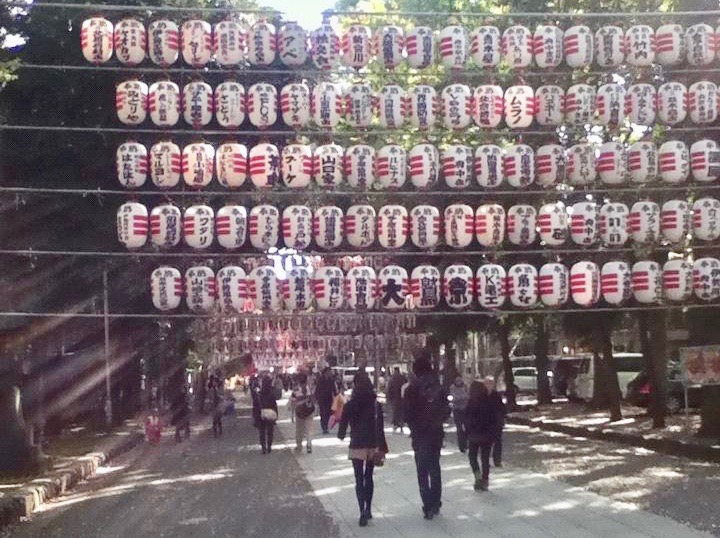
(305,409)
(378,457)
(268,414)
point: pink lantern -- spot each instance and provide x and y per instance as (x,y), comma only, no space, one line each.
(197,104)
(359,163)
(326,105)
(360,222)
(392,105)
(292,45)
(457,166)
(425,287)
(521,225)
(130,39)
(231,164)
(550,165)
(674,161)
(361,288)
(549,102)
(585,283)
(393,226)
(297,226)
(518,44)
(612,163)
(553,224)
(231,226)
(554,284)
(490,225)
(165,164)
(389,46)
(519,165)
(96,40)
(670,44)
(199,226)
(325,47)
(456,106)
(420,46)
(519,107)
(356,46)
(132,164)
(584,223)
(132,225)
(264,289)
(424,165)
(578,45)
(166,287)
(705,160)
(706,279)
(700,40)
(329,288)
(458,286)
(616,282)
(131,102)
(610,104)
(262,44)
(229,42)
(232,288)
(393,287)
(609,46)
(672,103)
(229,103)
(614,224)
(424,106)
(453,47)
(522,283)
(706,219)
(165,221)
(548,46)
(488,106)
(163,42)
(264,165)
(675,220)
(264,227)
(262,105)
(640,103)
(459,225)
(198,164)
(703,102)
(485,46)
(642,162)
(644,222)
(359,105)
(328,227)
(491,285)
(640,45)
(391,166)
(580,101)
(201,288)
(297,165)
(677,280)
(164,103)
(328,165)
(489,163)
(197,42)
(581,167)
(647,282)
(425,226)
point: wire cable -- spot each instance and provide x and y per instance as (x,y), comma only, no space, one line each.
(114,7)
(525,14)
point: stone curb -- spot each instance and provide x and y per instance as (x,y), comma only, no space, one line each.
(672,447)
(22,502)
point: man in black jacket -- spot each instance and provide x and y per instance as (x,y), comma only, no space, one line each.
(325,391)
(426,409)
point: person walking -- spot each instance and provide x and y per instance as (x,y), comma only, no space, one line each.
(215,396)
(265,413)
(425,408)
(325,391)
(481,425)
(500,411)
(459,397)
(181,414)
(364,414)
(303,402)
(394,397)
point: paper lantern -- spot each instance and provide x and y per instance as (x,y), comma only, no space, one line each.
(298,289)
(229,102)
(614,224)
(297,165)
(262,105)
(264,289)
(578,46)
(391,166)
(297,226)
(459,225)
(392,105)
(359,105)
(393,286)
(389,45)
(328,227)
(670,44)
(706,219)
(199,226)
(490,225)
(232,288)
(424,105)
(453,47)
(706,279)
(295,105)
(644,222)
(580,104)
(425,226)
(553,224)
(325,47)
(361,288)
(197,42)
(393,226)
(130,40)
(610,104)
(548,46)
(292,45)
(522,285)
(326,105)
(96,40)
(231,226)
(640,103)
(420,47)
(677,280)
(457,166)
(264,226)
(700,40)
(485,46)
(491,285)
(201,288)
(521,224)
(359,163)
(674,161)
(585,283)
(488,106)
(642,162)
(554,284)
(703,102)
(640,45)
(229,39)
(609,46)
(549,102)
(163,42)
(611,163)
(164,103)
(489,162)
(456,106)
(198,164)
(518,44)
(672,103)
(360,223)
(458,286)
(425,287)
(581,168)
(356,46)
(264,165)
(197,104)
(705,160)
(166,288)
(519,107)
(647,282)
(131,102)
(584,223)
(424,165)
(519,165)
(550,165)
(675,220)
(328,164)
(329,288)
(132,225)
(165,222)
(231,164)
(616,282)
(262,44)
(131,159)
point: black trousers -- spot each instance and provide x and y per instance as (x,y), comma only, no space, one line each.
(325,413)
(266,429)
(497,446)
(427,462)
(459,419)
(364,484)
(484,458)
(217,422)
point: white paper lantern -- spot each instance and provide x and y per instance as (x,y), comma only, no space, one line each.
(585,283)
(131,161)
(292,45)
(584,223)
(264,289)
(521,224)
(329,288)
(424,165)
(489,166)
(229,40)
(229,103)
(610,104)
(262,44)
(231,164)
(164,103)
(548,46)
(264,165)
(328,166)
(612,163)
(425,226)
(642,162)
(453,47)
(326,105)
(491,285)
(670,44)
(644,222)
(700,40)
(325,47)
(677,280)
(614,224)
(166,288)
(96,40)
(393,226)
(554,284)
(295,105)
(425,287)
(488,106)
(519,165)
(163,42)
(264,226)
(519,107)
(456,106)
(130,40)
(706,219)
(328,227)
(392,106)
(703,102)
(640,104)
(165,164)
(131,102)
(360,224)
(485,46)
(553,224)
(198,164)
(459,225)
(672,103)
(647,282)
(361,288)
(616,282)
(675,220)
(580,104)
(297,226)
(297,165)
(420,46)
(457,166)
(640,45)
(458,286)
(132,225)
(490,225)
(359,105)
(705,160)
(197,42)
(199,226)
(389,45)
(674,161)
(523,285)
(197,104)
(517,46)
(609,46)
(550,165)
(356,46)
(706,279)
(165,226)
(578,46)
(231,226)
(391,166)
(360,166)
(581,168)
(549,101)
(201,288)
(393,286)
(424,105)
(262,105)
(232,288)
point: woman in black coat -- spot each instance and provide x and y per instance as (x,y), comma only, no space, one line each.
(263,403)
(481,418)
(367,436)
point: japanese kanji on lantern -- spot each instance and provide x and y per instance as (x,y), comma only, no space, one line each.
(197,42)
(231,226)
(359,105)
(298,289)
(675,220)
(361,288)
(553,224)
(165,164)
(131,160)
(584,223)
(292,44)
(392,105)
(297,226)
(164,103)
(360,224)
(703,102)
(232,288)
(457,165)
(578,46)
(490,225)
(424,106)
(391,166)
(131,102)
(522,283)
(359,165)
(580,104)
(420,47)
(328,227)
(262,105)
(393,286)
(519,107)
(200,288)
(459,225)
(199,226)
(547,46)
(491,285)
(132,225)
(640,104)
(706,219)
(229,102)
(647,282)
(611,164)
(489,166)
(295,104)
(425,287)
(96,40)
(670,44)
(197,104)
(488,106)
(329,163)
(389,45)
(423,165)
(642,162)
(581,169)
(393,226)
(356,46)
(296,165)
(614,223)
(549,165)
(706,279)
(229,40)
(456,101)
(609,46)
(674,161)
(519,165)
(554,284)
(325,47)
(198,164)
(264,226)
(585,283)
(262,44)
(616,282)
(644,222)
(326,104)
(264,289)
(705,160)
(677,280)
(130,41)
(166,226)
(549,100)
(700,44)
(458,287)
(264,162)
(329,287)
(231,164)
(425,226)
(166,288)
(672,101)
(522,224)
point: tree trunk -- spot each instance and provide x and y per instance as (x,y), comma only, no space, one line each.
(600,398)
(17,453)
(503,334)
(611,377)
(542,363)
(658,372)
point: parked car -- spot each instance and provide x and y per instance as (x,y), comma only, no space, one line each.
(639,390)
(526,379)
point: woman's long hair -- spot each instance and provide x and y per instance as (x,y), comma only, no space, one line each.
(477,391)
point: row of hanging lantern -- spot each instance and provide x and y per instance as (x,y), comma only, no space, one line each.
(456,106)
(299,166)
(425,287)
(393,226)
(232,43)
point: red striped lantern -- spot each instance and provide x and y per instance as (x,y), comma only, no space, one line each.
(491,285)
(453,47)
(231,226)
(485,46)
(264,165)
(231,164)
(581,165)
(229,102)
(424,106)
(642,162)
(703,102)
(489,163)
(389,46)
(360,223)
(458,286)
(326,105)
(359,101)
(521,224)
(640,103)
(644,222)
(425,286)
(262,44)
(166,288)
(548,46)
(609,46)
(580,104)
(197,42)
(578,46)
(325,47)
(700,40)
(677,280)
(519,165)
(130,40)
(706,219)
(392,105)
(198,104)
(232,288)
(131,161)
(264,289)
(584,223)
(391,166)
(672,101)
(262,105)
(425,226)
(292,45)
(674,161)
(328,227)
(164,103)
(356,46)
(490,225)
(488,106)
(457,106)
(424,165)
(610,104)
(420,47)
(198,164)
(132,225)
(614,224)
(457,166)
(616,282)
(199,226)
(264,227)
(328,165)
(163,42)
(670,44)
(393,287)
(519,107)
(459,225)
(295,105)
(522,284)
(165,226)
(165,164)
(297,165)
(647,282)
(96,40)
(640,45)
(550,165)
(554,284)
(393,226)
(329,288)
(360,166)
(361,288)
(706,279)
(297,226)
(549,102)
(553,224)
(517,46)
(131,102)
(675,220)
(229,42)
(705,160)
(585,283)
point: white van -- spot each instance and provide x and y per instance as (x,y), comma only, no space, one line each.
(628,366)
